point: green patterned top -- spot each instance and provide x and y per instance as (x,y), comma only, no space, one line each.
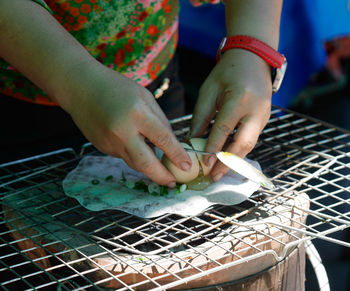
(134,37)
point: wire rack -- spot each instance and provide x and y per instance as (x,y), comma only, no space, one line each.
(48,240)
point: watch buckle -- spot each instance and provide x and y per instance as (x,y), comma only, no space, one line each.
(280,72)
(221,46)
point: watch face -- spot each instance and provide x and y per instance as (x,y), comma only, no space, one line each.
(277,76)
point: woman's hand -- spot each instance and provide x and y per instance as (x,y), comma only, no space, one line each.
(240,89)
(113,112)
(117,115)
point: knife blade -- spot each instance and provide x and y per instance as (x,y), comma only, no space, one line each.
(240,166)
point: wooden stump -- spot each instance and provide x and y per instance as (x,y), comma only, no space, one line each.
(287,275)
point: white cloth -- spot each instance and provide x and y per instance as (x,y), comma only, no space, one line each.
(110,193)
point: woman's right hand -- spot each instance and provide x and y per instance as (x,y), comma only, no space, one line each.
(113,112)
(117,115)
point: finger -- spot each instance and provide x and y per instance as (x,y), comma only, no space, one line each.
(109,144)
(224,124)
(244,140)
(163,137)
(143,159)
(204,110)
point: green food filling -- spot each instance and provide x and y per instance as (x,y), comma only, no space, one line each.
(95,182)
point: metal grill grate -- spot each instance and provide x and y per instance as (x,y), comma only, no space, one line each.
(50,241)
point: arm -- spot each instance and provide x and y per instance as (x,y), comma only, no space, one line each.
(113,112)
(239,87)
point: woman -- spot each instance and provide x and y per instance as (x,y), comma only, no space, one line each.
(94,59)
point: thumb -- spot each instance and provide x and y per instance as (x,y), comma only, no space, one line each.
(204,110)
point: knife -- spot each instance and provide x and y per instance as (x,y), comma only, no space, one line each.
(240,166)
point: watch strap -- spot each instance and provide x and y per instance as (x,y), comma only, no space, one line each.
(266,52)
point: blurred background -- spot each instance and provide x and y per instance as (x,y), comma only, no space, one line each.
(315,38)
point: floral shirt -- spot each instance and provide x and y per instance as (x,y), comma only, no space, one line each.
(135,37)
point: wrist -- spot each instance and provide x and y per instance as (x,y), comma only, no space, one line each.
(277,61)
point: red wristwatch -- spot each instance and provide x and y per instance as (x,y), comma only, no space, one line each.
(267,53)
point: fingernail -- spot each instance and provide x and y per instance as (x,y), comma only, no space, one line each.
(217,177)
(171,184)
(211,161)
(185,166)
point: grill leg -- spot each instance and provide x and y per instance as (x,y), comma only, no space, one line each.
(316,262)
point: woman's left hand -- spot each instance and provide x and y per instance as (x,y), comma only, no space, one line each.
(240,89)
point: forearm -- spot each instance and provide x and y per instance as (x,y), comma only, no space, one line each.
(256,18)
(40,48)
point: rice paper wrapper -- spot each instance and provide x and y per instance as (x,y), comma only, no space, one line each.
(96,184)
